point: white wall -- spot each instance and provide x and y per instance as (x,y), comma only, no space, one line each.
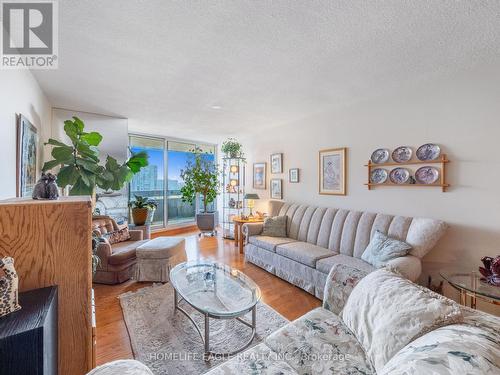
(460,112)
(19,94)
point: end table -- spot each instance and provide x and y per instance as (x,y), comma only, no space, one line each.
(469,284)
(238,230)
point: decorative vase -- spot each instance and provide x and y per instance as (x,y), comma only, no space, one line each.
(140,215)
(9,287)
(151,215)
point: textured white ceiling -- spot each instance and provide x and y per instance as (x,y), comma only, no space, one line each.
(165,64)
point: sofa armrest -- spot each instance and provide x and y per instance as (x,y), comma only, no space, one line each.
(339,284)
(136,235)
(104,251)
(409,266)
(252,229)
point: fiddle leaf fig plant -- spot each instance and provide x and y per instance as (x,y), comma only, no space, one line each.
(201,176)
(80,163)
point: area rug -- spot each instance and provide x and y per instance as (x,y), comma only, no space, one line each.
(168,343)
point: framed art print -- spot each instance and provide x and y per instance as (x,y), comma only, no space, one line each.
(259,175)
(276,163)
(332,171)
(293,175)
(27,147)
(276,188)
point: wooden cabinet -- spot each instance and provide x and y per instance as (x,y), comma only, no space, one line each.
(28,337)
(50,242)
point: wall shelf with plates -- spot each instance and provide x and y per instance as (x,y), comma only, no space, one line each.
(439,174)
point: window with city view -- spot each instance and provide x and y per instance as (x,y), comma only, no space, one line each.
(166,158)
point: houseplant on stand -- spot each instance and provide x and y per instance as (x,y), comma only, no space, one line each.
(232,148)
(142,209)
(201,178)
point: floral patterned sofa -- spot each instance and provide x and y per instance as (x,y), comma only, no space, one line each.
(317,238)
(428,333)
(377,323)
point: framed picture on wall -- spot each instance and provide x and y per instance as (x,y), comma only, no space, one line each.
(332,171)
(26,156)
(276,163)
(276,188)
(259,175)
(293,175)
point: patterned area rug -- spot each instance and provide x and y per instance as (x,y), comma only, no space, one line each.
(168,343)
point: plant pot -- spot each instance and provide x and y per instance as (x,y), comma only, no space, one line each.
(206,221)
(140,215)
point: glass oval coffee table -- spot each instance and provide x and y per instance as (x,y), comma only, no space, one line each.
(217,291)
(469,284)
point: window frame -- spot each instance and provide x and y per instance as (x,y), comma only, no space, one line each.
(165,140)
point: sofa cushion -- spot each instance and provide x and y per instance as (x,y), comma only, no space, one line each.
(303,252)
(320,343)
(269,243)
(257,360)
(455,349)
(423,235)
(382,249)
(124,251)
(274,226)
(117,236)
(325,265)
(386,312)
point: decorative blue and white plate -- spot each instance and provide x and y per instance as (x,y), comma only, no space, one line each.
(429,151)
(380,155)
(399,176)
(378,176)
(427,175)
(402,154)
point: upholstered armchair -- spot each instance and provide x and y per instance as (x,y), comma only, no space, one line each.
(117,260)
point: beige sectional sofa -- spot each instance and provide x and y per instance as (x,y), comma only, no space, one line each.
(319,237)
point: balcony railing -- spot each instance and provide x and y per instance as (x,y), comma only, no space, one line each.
(178,211)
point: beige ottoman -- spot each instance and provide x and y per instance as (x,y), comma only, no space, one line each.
(155,258)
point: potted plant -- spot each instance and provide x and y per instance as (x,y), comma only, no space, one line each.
(201,177)
(232,148)
(142,207)
(80,166)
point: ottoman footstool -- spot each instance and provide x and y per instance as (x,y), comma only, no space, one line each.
(155,258)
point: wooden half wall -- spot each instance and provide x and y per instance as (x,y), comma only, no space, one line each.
(50,242)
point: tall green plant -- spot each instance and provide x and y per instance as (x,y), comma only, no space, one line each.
(201,176)
(80,163)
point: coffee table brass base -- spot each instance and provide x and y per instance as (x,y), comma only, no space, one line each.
(205,336)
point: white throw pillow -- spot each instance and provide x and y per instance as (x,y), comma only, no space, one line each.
(385,312)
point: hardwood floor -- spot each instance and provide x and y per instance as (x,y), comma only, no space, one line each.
(112,336)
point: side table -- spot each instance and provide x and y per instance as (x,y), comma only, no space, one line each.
(469,284)
(238,230)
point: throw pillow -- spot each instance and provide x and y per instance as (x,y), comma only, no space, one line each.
(274,226)
(382,249)
(117,236)
(386,312)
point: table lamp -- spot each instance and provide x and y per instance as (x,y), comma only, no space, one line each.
(250,198)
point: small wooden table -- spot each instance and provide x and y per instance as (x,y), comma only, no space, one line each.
(238,230)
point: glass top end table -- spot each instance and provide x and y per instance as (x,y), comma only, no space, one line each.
(217,291)
(469,284)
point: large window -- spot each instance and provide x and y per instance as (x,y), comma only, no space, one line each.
(167,158)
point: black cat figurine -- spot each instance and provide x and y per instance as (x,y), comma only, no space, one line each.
(51,190)
(40,189)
